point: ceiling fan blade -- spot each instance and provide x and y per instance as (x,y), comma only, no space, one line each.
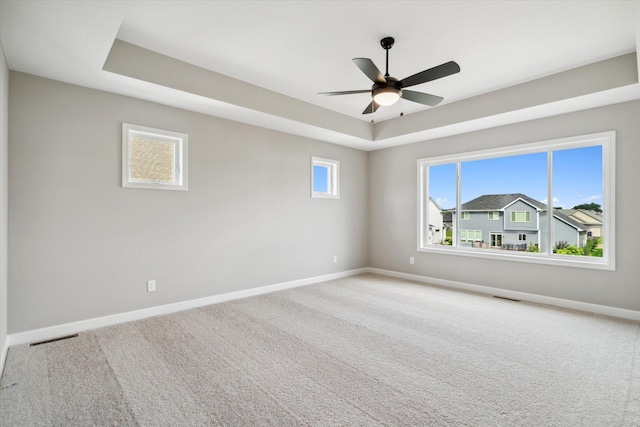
(442,70)
(371,108)
(370,70)
(422,98)
(346,92)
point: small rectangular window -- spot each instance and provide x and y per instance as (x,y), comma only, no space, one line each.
(325,178)
(522,237)
(464,215)
(524,216)
(153,158)
(470,235)
(494,216)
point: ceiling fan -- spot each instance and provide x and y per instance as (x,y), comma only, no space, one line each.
(386,90)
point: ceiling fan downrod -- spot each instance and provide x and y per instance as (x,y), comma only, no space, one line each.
(387,43)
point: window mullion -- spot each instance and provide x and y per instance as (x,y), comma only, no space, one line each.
(456,234)
(549,202)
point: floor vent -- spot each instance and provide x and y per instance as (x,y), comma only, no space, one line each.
(53,340)
(508,299)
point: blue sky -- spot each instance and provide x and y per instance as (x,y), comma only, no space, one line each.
(320,182)
(577,176)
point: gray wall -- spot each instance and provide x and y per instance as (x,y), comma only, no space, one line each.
(83,247)
(4,143)
(393,207)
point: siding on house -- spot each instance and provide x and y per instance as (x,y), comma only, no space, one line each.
(436,226)
(521,206)
(510,234)
(563,231)
(590,221)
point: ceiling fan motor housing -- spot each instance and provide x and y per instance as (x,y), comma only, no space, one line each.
(387,43)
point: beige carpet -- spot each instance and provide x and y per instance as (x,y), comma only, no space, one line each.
(365,350)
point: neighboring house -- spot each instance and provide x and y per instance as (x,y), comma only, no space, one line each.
(592,221)
(513,221)
(436,226)
(447,218)
(568,230)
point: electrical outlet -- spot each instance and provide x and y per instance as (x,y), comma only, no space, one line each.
(151,285)
(411,260)
(335,259)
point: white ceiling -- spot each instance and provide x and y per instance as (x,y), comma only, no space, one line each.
(300,48)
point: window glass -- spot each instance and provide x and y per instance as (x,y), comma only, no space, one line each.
(441,204)
(574,174)
(325,178)
(521,216)
(320,179)
(524,174)
(153,158)
(577,183)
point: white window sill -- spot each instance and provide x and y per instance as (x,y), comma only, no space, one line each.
(528,257)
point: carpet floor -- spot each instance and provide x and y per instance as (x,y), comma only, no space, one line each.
(365,350)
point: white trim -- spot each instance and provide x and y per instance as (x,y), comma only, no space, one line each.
(83,325)
(606,140)
(99,322)
(3,355)
(514,216)
(523,201)
(180,142)
(523,296)
(333,178)
(522,256)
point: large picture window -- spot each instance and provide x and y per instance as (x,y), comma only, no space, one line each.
(536,197)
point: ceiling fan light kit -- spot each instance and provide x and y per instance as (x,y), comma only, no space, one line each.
(386,96)
(387,90)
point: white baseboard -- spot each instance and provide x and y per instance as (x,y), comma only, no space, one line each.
(3,355)
(99,322)
(523,296)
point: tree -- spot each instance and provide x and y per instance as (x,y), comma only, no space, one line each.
(589,207)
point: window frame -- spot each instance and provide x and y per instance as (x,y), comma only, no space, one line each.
(607,140)
(333,178)
(467,232)
(493,215)
(514,216)
(181,141)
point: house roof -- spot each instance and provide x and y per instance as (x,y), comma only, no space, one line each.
(598,219)
(572,222)
(495,202)
(435,203)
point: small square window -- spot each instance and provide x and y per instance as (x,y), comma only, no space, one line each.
(153,158)
(464,215)
(325,178)
(494,215)
(522,237)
